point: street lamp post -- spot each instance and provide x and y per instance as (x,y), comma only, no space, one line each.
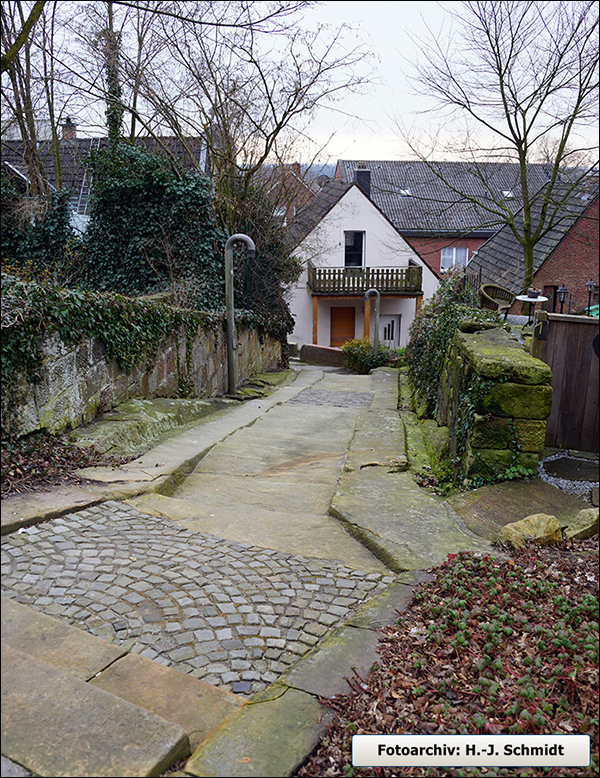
(368,294)
(590,287)
(562,293)
(229,309)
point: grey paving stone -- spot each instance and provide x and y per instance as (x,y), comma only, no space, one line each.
(194,601)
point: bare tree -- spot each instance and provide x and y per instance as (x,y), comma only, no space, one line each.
(523,77)
(19,40)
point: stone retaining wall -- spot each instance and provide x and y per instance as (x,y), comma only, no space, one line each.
(77,382)
(490,377)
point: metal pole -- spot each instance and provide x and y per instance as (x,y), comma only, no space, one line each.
(368,293)
(229,309)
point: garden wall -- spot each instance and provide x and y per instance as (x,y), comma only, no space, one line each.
(494,399)
(76,382)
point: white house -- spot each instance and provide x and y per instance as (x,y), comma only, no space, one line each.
(348,246)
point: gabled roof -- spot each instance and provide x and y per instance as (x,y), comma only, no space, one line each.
(308,217)
(500,259)
(418,197)
(72,153)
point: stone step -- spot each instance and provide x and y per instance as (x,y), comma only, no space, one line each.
(61,685)
(55,724)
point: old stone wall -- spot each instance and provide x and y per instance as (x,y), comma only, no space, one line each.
(77,382)
(494,399)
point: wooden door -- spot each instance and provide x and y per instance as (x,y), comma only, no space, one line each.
(342,326)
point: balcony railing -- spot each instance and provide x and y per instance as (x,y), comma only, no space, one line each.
(356,280)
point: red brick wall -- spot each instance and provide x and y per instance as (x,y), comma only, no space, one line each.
(430,249)
(573,263)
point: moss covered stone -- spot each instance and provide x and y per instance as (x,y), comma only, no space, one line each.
(497,355)
(518,401)
(501,432)
(493,462)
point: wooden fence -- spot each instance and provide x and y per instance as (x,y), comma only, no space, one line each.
(569,344)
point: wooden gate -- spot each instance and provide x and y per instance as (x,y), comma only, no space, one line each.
(569,344)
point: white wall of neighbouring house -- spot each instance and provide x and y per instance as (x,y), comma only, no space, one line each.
(325,247)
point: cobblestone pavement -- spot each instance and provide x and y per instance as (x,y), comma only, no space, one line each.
(232,614)
(339,399)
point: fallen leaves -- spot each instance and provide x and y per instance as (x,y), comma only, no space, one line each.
(487,646)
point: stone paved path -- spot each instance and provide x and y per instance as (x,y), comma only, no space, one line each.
(232,614)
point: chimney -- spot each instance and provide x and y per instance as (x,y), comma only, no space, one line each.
(362,176)
(69,130)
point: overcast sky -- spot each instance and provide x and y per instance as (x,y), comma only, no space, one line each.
(383,26)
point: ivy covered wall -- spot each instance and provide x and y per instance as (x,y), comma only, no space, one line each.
(68,355)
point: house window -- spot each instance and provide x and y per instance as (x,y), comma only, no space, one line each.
(354,248)
(452,257)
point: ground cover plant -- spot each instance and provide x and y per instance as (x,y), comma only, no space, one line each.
(489,645)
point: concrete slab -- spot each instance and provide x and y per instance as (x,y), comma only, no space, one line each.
(271,736)
(488,509)
(403,526)
(68,648)
(23,510)
(196,706)
(384,609)
(55,725)
(319,672)
(300,533)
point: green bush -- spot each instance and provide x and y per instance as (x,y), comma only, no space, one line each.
(360,357)
(38,242)
(432,331)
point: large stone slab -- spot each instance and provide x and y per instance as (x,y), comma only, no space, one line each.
(23,510)
(403,526)
(55,642)
(309,534)
(270,737)
(196,706)
(488,509)
(324,672)
(55,725)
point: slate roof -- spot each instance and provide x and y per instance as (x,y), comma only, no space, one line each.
(308,217)
(72,153)
(419,203)
(500,259)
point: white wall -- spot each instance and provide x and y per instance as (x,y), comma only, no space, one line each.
(324,247)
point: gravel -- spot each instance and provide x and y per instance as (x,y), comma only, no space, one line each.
(581,489)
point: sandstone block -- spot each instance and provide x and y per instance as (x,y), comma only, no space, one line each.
(585,525)
(518,401)
(544,529)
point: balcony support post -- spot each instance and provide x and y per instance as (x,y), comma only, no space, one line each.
(315,316)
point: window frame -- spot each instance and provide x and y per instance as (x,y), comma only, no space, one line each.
(454,263)
(354,251)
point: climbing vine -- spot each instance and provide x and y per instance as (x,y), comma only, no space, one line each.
(130,329)
(432,331)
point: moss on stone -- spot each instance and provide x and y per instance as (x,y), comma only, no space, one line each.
(518,401)
(494,462)
(498,355)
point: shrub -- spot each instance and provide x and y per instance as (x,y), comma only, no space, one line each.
(360,357)
(432,331)
(38,242)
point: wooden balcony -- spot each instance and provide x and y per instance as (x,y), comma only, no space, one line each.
(357,280)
